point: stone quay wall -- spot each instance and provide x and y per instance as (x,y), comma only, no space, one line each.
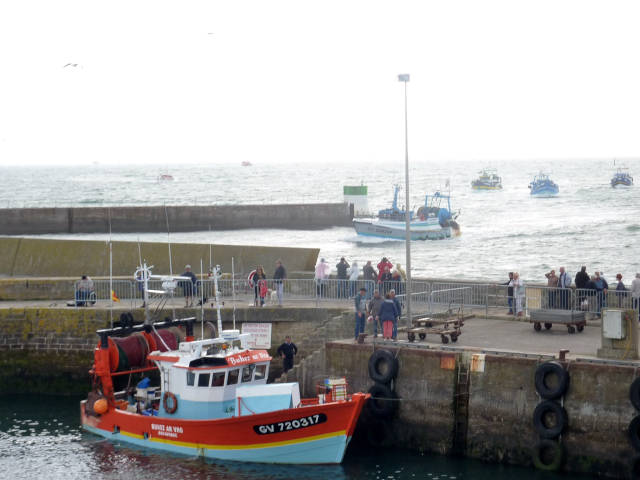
(496,424)
(48,350)
(34,221)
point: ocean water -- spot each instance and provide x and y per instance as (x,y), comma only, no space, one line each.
(40,437)
(588,223)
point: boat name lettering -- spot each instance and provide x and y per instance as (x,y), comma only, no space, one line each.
(252,357)
(167,430)
(296,424)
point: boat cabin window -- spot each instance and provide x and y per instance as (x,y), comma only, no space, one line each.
(218,379)
(191,378)
(261,371)
(203,380)
(232,379)
(247,373)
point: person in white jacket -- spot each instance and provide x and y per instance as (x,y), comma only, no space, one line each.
(518,293)
(353,278)
(322,273)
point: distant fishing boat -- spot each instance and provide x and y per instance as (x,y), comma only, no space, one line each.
(622,178)
(246,163)
(543,186)
(431,222)
(165,177)
(488,179)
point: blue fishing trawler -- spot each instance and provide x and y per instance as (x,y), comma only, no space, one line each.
(622,178)
(543,186)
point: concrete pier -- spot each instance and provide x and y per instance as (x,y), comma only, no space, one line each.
(33,221)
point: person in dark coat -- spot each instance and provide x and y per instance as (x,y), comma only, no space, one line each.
(278,278)
(287,350)
(189,287)
(582,280)
(388,314)
(370,277)
(342,267)
(509,292)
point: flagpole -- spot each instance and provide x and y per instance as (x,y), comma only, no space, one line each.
(405,79)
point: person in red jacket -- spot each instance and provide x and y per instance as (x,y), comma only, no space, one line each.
(381,267)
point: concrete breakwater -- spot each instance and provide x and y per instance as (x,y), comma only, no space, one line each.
(481,405)
(36,257)
(34,221)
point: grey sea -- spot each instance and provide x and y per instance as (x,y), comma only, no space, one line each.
(588,223)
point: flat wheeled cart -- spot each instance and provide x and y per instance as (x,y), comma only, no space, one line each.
(446,327)
(572,319)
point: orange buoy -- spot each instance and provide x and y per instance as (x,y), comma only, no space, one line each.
(100,406)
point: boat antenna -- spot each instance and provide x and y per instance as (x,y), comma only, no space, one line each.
(166,217)
(110,271)
(201,302)
(233,291)
(210,249)
(145,273)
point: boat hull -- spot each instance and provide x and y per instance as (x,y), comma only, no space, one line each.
(314,434)
(621,183)
(486,187)
(544,192)
(397,230)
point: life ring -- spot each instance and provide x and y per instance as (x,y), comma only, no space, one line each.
(383,401)
(551,368)
(634,432)
(548,455)
(383,366)
(634,393)
(379,433)
(559,413)
(169,402)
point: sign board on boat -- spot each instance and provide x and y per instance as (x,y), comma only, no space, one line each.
(260,334)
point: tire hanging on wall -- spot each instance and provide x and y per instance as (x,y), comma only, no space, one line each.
(548,455)
(634,393)
(634,467)
(555,409)
(383,401)
(383,366)
(551,368)
(379,433)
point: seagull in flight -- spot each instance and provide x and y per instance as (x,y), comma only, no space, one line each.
(70,65)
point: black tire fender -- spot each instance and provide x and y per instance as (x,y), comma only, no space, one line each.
(555,409)
(551,368)
(548,455)
(383,366)
(634,393)
(379,433)
(634,432)
(634,467)
(383,401)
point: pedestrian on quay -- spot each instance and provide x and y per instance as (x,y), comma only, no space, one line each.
(189,286)
(402,278)
(602,287)
(140,285)
(287,350)
(564,282)
(388,314)
(382,267)
(386,279)
(398,305)
(635,293)
(260,285)
(621,290)
(361,311)
(519,293)
(321,275)
(278,280)
(552,285)
(342,266)
(582,280)
(374,310)
(509,292)
(84,288)
(353,273)
(370,277)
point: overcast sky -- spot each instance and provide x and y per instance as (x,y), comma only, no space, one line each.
(298,81)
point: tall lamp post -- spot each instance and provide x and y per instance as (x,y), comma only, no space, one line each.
(407,215)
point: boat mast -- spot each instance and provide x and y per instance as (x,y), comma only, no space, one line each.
(407,215)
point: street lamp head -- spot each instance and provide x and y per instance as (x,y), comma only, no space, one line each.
(403,77)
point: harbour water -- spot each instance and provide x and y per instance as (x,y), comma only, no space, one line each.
(588,223)
(40,437)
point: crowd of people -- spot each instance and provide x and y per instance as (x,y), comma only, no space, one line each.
(589,288)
